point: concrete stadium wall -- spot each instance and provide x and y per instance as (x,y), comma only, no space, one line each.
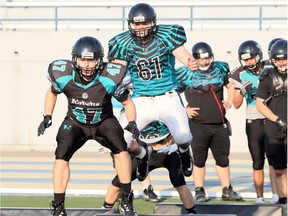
(24,58)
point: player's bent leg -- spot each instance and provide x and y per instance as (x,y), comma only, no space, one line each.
(143,168)
(111,196)
(186,198)
(123,168)
(61,174)
(186,159)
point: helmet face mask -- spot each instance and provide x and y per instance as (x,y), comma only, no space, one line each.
(204,63)
(87,57)
(278,55)
(142,22)
(250,56)
(140,33)
(203,54)
(250,62)
(87,67)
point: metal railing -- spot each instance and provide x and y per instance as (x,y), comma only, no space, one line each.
(57,15)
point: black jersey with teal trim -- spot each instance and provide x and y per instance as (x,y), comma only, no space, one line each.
(88,104)
(242,75)
(204,89)
(152,67)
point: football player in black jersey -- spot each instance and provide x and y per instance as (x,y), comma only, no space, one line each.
(271,101)
(89,83)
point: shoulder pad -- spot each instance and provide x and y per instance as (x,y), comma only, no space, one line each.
(60,68)
(57,69)
(113,71)
(172,35)
(223,67)
(237,70)
(264,74)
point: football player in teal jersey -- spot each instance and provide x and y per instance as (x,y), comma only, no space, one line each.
(150,51)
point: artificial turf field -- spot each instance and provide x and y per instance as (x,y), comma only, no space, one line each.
(142,207)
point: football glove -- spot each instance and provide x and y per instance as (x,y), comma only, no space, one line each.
(47,122)
(247,85)
(243,87)
(282,124)
(132,127)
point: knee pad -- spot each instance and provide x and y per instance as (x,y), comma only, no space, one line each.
(258,165)
(222,161)
(183,138)
(116,182)
(199,163)
(177,179)
(200,158)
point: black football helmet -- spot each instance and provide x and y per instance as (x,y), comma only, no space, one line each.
(279,52)
(203,50)
(142,13)
(249,49)
(88,48)
(271,43)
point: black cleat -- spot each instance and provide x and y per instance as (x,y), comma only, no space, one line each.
(228,194)
(186,162)
(143,165)
(126,204)
(58,209)
(149,195)
(200,195)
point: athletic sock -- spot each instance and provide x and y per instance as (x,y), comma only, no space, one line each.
(126,188)
(107,205)
(191,210)
(59,197)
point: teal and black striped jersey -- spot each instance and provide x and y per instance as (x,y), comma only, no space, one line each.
(152,67)
(204,89)
(88,104)
(199,81)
